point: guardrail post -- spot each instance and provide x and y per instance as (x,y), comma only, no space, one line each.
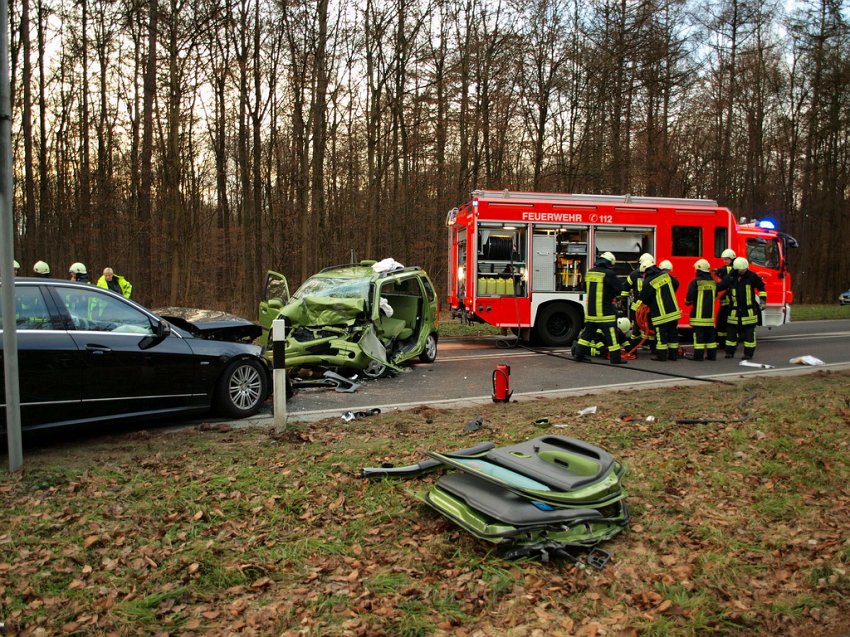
(279,353)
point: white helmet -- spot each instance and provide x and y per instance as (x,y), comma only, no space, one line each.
(77,268)
(624,324)
(17,265)
(740,264)
(41,267)
(665,265)
(646,261)
(728,253)
(646,257)
(608,257)
(702,265)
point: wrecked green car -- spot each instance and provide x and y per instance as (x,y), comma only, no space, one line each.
(352,317)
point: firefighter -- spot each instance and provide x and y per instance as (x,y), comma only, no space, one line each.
(748,298)
(78,272)
(701,296)
(633,286)
(660,294)
(603,289)
(728,256)
(41,269)
(17,266)
(622,332)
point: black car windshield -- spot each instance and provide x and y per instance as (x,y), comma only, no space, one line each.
(329,287)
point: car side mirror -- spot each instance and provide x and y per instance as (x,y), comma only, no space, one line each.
(163,329)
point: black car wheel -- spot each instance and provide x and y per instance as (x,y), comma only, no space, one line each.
(558,325)
(241,389)
(429,353)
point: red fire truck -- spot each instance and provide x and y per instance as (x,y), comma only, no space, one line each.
(517,259)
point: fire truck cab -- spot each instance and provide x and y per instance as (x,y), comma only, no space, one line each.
(517,260)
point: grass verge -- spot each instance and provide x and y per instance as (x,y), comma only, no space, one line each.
(738,528)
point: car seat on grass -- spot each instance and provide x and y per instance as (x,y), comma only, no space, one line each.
(543,498)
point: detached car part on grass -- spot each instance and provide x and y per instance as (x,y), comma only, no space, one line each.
(353,317)
(546,497)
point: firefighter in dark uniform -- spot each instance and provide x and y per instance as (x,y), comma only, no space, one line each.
(701,296)
(748,299)
(631,295)
(659,292)
(603,289)
(728,256)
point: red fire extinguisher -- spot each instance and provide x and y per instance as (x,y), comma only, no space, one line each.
(502,383)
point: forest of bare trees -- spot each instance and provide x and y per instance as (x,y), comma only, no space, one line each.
(192,145)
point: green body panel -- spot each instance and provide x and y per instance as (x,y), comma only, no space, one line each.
(599,494)
(584,533)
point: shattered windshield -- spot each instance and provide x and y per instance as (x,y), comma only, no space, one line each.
(338,288)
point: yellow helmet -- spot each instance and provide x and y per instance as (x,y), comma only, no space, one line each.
(740,264)
(702,265)
(728,253)
(665,265)
(41,267)
(77,268)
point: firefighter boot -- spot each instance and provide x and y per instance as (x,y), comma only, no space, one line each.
(749,352)
(711,354)
(659,355)
(673,353)
(617,358)
(730,352)
(699,355)
(580,352)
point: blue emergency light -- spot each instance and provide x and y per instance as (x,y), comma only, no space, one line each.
(767,224)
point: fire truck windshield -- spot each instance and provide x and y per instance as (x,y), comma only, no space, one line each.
(764,253)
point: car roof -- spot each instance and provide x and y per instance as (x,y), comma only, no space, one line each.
(351,271)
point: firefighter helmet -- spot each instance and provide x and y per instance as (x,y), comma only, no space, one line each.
(608,257)
(740,264)
(17,265)
(728,253)
(41,267)
(702,265)
(624,324)
(665,265)
(646,261)
(77,268)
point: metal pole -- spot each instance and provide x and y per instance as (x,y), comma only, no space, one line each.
(10,335)
(279,353)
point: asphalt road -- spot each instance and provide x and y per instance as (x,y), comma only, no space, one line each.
(462,373)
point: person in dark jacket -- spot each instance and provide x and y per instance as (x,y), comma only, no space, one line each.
(659,292)
(603,290)
(701,297)
(631,294)
(748,297)
(728,256)
(78,272)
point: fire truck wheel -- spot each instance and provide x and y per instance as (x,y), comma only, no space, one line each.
(558,325)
